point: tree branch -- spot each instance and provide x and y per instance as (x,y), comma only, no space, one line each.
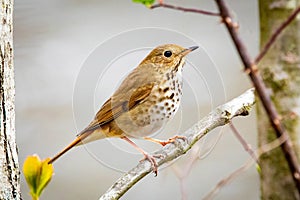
(276,34)
(9,165)
(220,116)
(229,178)
(259,152)
(274,118)
(184,9)
(246,146)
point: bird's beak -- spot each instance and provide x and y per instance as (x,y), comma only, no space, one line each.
(188,50)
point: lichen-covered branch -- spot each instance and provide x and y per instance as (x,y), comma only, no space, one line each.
(276,33)
(262,92)
(279,68)
(220,116)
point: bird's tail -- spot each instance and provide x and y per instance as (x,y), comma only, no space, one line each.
(77,141)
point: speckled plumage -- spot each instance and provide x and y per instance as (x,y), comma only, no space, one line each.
(154,88)
(145,101)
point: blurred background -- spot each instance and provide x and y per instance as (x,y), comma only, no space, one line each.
(70,55)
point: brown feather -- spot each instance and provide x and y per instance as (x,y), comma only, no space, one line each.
(113,109)
(107,113)
(126,97)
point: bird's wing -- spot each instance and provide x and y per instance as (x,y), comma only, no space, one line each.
(118,104)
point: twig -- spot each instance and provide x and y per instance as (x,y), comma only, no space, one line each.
(246,146)
(228,179)
(274,118)
(182,172)
(184,9)
(275,35)
(218,117)
(270,146)
(225,181)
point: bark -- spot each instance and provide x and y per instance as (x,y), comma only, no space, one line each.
(280,71)
(9,167)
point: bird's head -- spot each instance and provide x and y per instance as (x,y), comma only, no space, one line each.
(168,57)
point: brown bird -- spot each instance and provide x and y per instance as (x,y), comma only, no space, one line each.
(145,101)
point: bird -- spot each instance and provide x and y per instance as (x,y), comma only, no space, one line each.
(143,103)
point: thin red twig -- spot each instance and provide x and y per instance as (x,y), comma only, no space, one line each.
(261,90)
(204,12)
(225,181)
(246,146)
(276,34)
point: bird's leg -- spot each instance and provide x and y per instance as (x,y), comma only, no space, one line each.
(147,156)
(160,1)
(165,142)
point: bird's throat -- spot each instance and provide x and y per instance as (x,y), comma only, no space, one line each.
(180,65)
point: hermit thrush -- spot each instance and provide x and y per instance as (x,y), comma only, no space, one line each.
(146,99)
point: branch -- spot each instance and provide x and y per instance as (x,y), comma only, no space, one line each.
(225,181)
(220,116)
(9,164)
(182,172)
(276,34)
(184,9)
(246,146)
(260,87)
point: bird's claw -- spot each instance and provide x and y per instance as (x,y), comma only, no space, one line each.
(170,140)
(153,162)
(173,139)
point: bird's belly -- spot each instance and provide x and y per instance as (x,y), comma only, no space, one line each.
(151,115)
(147,120)
(143,131)
(138,127)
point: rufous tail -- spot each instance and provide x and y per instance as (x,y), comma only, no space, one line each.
(70,146)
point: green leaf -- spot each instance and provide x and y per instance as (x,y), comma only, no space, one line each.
(37,173)
(258,168)
(147,3)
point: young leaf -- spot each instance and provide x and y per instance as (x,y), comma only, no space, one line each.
(258,168)
(37,174)
(147,3)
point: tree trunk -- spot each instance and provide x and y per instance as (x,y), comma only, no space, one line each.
(281,73)
(9,166)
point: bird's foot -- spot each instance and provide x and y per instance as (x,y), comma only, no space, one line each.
(164,143)
(148,157)
(152,160)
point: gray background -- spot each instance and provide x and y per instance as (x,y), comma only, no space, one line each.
(63,75)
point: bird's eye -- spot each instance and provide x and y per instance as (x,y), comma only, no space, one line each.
(168,54)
